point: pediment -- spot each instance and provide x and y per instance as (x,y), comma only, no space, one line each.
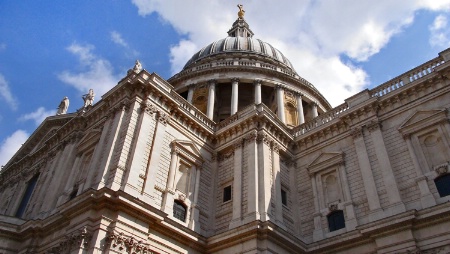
(40,136)
(89,140)
(422,119)
(189,150)
(325,161)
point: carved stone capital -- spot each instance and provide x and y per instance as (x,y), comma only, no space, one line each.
(148,108)
(163,118)
(212,82)
(235,80)
(276,148)
(356,132)
(257,81)
(251,137)
(374,125)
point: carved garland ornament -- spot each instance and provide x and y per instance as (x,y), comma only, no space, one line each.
(76,240)
(127,244)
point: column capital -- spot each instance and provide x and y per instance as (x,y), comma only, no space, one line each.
(298,94)
(235,79)
(257,81)
(279,86)
(356,132)
(212,82)
(374,125)
(192,85)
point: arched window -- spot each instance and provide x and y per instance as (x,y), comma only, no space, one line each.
(443,185)
(336,220)
(179,210)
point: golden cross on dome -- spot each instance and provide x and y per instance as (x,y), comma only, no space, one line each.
(241,11)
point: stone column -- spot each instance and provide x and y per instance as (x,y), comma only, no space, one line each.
(265,175)
(366,172)
(135,179)
(390,184)
(109,148)
(350,221)
(280,103)
(190,93)
(318,231)
(195,212)
(314,111)
(301,115)
(234,95)
(237,186)
(252,178)
(426,198)
(277,185)
(211,98)
(169,191)
(257,84)
(162,120)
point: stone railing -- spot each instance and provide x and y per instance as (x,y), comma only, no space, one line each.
(408,77)
(191,110)
(239,115)
(320,120)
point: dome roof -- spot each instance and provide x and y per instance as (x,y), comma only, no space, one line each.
(242,45)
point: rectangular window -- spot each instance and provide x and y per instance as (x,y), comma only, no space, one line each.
(26,196)
(283,197)
(227,193)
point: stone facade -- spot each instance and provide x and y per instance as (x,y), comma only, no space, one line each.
(158,166)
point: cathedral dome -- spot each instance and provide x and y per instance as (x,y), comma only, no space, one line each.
(240,44)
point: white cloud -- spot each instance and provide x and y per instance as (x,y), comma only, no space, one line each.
(179,53)
(5,93)
(11,144)
(37,116)
(313,34)
(116,37)
(440,32)
(97,72)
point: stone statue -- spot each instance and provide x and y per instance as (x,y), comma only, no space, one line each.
(88,98)
(63,106)
(241,11)
(137,66)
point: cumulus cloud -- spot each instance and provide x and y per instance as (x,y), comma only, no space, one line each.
(117,38)
(314,34)
(97,72)
(440,32)
(37,116)
(5,93)
(11,144)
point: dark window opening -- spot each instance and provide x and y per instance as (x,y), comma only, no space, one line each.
(179,210)
(73,194)
(227,193)
(443,185)
(336,220)
(283,197)
(27,196)
(184,95)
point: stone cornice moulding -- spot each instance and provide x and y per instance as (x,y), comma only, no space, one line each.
(423,119)
(324,161)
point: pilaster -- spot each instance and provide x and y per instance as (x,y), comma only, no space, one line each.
(390,184)
(236,218)
(366,171)
(264,176)
(252,192)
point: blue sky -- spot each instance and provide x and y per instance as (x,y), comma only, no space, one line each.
(52,49)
